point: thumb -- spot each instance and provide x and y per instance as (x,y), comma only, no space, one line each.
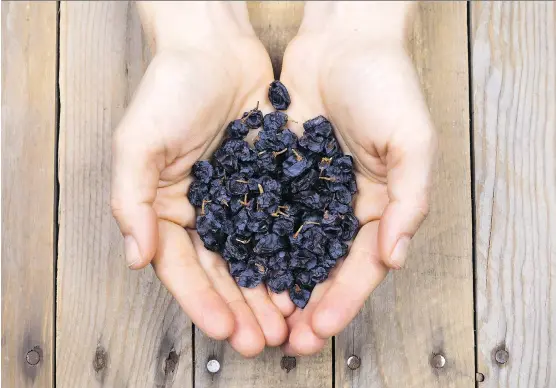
(135,177)
(409,173)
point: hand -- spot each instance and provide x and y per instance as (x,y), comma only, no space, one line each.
(356,72)
(208,69)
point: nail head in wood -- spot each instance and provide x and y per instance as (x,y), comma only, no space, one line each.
(353,362)
(213,366)
(33,357)
(100,359)
(438,361)
(288,363)
(502,356)
(480,377)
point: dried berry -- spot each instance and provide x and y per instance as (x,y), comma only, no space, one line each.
(253,119)
(275,121)
(299,296)
(280,281)
(202,171)
(237,129)
(279,212)
(198,192)
(336,249)
(279,96)
(250,277)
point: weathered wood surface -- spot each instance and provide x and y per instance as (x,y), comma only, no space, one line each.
(28,192)
(115,327)
(276,23)
(120,328)
(514,100)
(427,308)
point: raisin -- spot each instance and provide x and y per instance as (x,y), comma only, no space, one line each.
(253,119)
(279,212)
(203,171)
(237,129)
(299,296)
(280,281)
(275,121)
(279,96)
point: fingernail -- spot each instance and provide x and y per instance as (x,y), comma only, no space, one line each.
(397,260)
(132,254)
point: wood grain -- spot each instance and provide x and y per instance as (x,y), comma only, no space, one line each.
(514,100)
(427,308)
(115,327)
(275,23)
(28,192)
(263,371)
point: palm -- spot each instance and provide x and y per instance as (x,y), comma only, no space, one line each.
(369,98)
(191,104)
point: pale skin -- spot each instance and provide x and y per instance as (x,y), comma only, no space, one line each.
(355,71)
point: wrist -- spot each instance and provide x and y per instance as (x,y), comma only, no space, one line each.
(182,25)
(361,22)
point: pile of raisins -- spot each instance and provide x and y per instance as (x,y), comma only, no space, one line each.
(279,212)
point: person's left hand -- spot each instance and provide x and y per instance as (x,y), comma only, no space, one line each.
(371,94)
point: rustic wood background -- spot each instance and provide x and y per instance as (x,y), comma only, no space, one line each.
(476,305)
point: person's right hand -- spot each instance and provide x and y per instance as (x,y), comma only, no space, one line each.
(208,68)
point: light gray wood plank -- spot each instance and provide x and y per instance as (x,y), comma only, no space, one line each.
(28,192)
(514,101)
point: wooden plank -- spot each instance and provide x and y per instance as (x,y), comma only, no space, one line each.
(427,308)
(268,370)
(514,100)
(28,192)
(115,327)
(275,23)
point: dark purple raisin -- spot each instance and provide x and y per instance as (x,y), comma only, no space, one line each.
(279,96)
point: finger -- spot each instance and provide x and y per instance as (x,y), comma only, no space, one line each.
(370,200)
(409,174)
(269,317)
(177,266)
(135,176)
(171,204)
(247,338)
(282,302)
(361,272)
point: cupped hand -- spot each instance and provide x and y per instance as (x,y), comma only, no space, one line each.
(208,69)
(369,90)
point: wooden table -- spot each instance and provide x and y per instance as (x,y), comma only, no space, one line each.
(477,302)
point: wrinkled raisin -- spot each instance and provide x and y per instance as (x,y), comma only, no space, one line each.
(279,212)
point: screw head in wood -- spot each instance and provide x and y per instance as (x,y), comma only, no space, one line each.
(288,363)
(353,362)
(438,361)
(480,377)
(33,357)
(502,356)
(213,366)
